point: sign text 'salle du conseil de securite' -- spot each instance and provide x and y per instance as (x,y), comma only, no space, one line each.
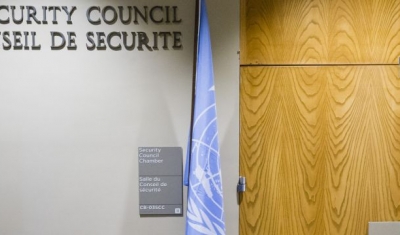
(95,40)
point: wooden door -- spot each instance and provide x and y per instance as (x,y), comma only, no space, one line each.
(320,116)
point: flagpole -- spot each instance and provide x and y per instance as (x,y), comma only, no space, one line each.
(195,49)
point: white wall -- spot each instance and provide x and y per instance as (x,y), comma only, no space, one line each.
(71,122)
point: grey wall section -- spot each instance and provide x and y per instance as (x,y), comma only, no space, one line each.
(71,122)
(224,26)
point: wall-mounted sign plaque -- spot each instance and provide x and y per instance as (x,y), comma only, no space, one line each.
(160,180)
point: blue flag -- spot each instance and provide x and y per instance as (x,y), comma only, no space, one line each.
(205,211)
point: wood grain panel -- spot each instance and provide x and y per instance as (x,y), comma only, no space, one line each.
(320,31)
(320,147)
